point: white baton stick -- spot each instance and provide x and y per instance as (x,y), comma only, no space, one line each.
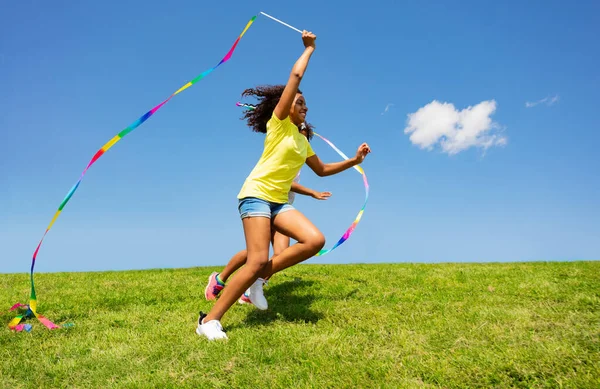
(279,21)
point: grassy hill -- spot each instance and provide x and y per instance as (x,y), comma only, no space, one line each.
(334,326)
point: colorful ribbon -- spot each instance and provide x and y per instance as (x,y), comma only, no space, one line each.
(350,230)
(359,169)
(246,105)
(32,307)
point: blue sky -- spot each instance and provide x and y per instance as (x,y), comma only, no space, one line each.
(74,75)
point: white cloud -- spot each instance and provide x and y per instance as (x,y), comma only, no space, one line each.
(454,130)
(548,100)
(387,108)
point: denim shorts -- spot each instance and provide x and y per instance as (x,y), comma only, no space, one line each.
(255,207)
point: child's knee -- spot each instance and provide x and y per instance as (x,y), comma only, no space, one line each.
(256,261)
(316,241)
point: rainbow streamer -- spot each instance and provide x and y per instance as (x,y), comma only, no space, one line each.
(246,105)
(359,169)
(32,307)
(350,230)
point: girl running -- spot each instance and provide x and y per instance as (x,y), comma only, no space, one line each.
(263,199)
(216,281)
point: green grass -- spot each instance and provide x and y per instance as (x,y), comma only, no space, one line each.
(533,325)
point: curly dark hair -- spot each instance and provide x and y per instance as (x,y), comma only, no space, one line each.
(268,96)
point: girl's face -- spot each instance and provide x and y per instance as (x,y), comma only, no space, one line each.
(298,110)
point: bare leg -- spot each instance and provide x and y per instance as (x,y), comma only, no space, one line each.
(237,261)
(280,242)
(310,240)
(257,231)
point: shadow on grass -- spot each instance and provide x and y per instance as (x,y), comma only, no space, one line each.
(289,301)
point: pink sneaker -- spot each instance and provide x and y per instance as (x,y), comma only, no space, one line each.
(213,288)
(244,299)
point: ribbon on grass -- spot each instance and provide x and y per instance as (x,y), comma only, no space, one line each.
(31,309)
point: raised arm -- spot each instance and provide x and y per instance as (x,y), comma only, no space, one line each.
(327,169)
(282,110)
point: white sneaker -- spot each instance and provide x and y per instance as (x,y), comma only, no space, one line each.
(211,329)
(256,296)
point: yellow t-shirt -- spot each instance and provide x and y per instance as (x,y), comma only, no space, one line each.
(285,151)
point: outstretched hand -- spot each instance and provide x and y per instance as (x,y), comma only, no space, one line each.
(308,38)
(362,152)
(321,195)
